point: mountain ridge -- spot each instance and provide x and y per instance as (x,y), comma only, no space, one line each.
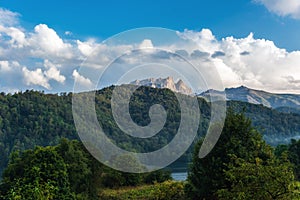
(168,82)
(284,102)
(245,94)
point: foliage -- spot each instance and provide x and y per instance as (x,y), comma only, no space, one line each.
(31,118)
(65,171)
(169,190)
(294,156)
(82,168)
(258,180)
(293,153)
(158,176)
(238,138)
(277,127)
(37,174)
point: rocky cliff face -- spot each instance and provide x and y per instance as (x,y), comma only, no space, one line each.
(168,82)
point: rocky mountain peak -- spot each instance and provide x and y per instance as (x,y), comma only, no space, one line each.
(167,82)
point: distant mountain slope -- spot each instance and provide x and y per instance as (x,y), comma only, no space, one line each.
(267,99)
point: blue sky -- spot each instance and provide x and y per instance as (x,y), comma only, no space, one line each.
(102,19)
(43,42)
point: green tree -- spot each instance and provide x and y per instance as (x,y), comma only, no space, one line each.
(294,156)
(271,180)
(239,139)
(78,164)
(37,174)
(84,171)
(113,178)
(158,176)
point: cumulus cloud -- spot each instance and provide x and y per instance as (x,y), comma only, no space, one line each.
(6,66)
(53,72)
(43,58)
(256,63)
(17,36)
(86,48)
(282,7)
(40,77)
(146,44)
(35,77)
(205,40)
(81,80)
(45,41)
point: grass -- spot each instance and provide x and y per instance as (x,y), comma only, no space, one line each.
(168,190)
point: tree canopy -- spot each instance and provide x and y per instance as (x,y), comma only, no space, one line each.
(64,171)
(32,118)
(241,166)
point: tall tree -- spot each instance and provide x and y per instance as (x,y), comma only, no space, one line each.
(239,139)
(294,156)
(273,179)
(37,174)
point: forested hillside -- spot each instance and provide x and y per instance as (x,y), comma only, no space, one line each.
(33,118)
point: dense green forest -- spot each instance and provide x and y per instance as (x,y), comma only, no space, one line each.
(241,166)
(31,118)
(65,171)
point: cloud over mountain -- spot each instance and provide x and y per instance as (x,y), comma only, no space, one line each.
(43,59)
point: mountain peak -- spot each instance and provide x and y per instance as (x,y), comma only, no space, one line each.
(167,82)
(242,87)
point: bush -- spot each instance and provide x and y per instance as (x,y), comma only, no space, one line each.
(158,176)
(168,190)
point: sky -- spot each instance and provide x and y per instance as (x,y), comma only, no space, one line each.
(44,44)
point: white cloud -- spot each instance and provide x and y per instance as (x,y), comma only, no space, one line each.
(82,81)
(263,66)
(283,7)
(45,41)
(8,18)
(53,72)
(53,60)
(17,36)
(86,48)
(41,78)
(146,44)
(6,66)
(205,39)
(35,77)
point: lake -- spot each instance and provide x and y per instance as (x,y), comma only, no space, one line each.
(179,176)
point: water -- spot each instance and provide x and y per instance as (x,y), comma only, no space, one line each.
(179,176)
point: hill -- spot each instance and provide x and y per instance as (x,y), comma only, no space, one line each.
(33,118)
